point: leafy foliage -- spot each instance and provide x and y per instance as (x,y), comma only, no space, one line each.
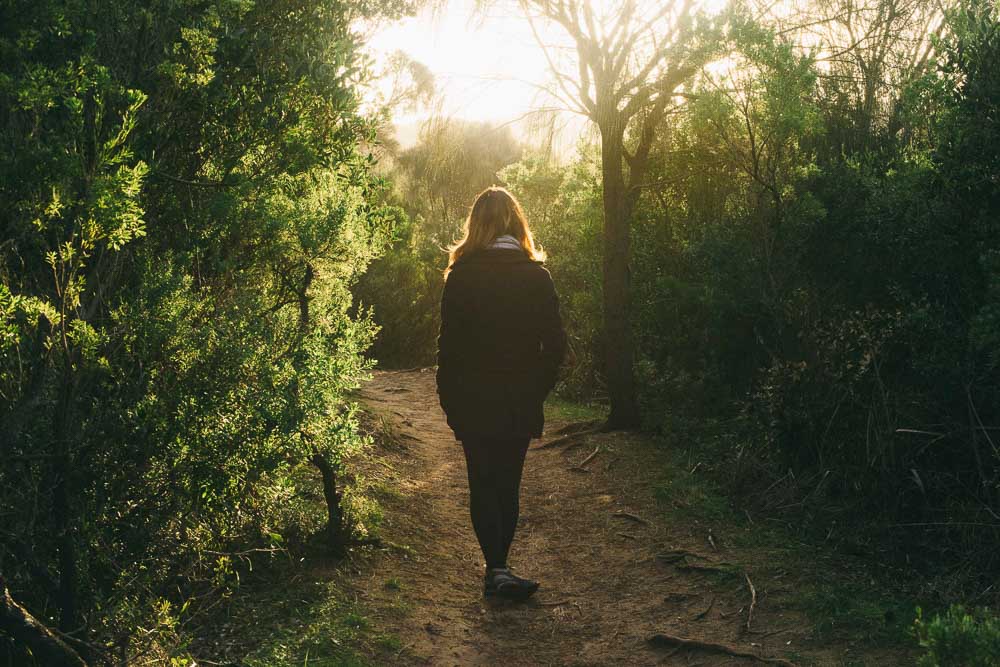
(959,637)
(828,306)
(187,208)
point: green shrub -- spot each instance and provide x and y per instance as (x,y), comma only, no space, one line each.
(959,638)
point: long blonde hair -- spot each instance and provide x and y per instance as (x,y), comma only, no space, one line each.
(495,212)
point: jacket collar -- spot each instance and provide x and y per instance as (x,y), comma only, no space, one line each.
(494,256)
(506,241)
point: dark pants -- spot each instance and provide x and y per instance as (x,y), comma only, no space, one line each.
(494,466)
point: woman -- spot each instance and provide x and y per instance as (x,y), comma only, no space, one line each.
(499,350)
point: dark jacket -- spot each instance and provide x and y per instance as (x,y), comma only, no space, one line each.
(500,346)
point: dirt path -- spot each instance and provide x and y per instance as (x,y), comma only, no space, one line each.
(604,590)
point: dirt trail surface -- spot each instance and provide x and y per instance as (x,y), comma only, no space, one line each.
(612,574)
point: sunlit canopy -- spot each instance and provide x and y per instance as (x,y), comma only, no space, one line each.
(489,66)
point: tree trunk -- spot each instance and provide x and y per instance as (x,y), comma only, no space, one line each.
(62,504)
(618,346)
(335,516)
(45,645)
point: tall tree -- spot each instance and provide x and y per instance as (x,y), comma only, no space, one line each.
(625,70)
(869,53)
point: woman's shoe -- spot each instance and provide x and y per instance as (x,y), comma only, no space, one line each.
(501,582)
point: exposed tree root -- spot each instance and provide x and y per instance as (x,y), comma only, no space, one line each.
(703,614)
(577,427)
(664,640)
(572,437)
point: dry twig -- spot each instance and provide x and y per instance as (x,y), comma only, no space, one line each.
(589,458)
(753,600)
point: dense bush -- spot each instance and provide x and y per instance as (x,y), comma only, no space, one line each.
(839,305)
(185,208)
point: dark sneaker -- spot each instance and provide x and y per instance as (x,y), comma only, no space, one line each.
(501,582)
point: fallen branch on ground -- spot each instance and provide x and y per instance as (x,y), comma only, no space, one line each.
(631,517)
(753,600)
(589,458)
(661,639)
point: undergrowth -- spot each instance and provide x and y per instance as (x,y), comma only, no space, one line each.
(854,598)
(970,638)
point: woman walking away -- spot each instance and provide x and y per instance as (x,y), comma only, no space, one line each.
(499,351)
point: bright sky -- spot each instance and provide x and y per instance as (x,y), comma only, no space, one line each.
(487,67)
(477,65)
